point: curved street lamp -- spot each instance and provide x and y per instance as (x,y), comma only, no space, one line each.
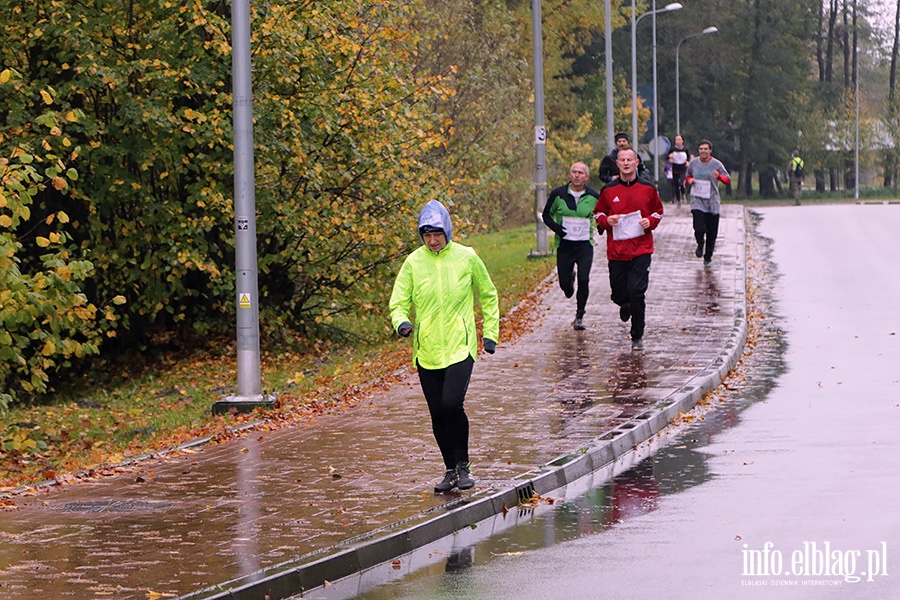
(678,77)
(634,21)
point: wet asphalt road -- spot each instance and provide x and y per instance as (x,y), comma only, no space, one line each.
(788,489)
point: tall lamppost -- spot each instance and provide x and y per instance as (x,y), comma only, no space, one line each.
(678,77)
(634,21)
(540,131)
(249,384)
(610,116)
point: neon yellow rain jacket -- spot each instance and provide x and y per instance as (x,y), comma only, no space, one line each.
(441,285)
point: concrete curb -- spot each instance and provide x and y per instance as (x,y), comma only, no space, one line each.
(307,573)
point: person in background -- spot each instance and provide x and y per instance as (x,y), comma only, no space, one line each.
(667,171)
(440,279)
(679,157)
(795,176)
(629,210)
(609,170)
(703,175)
(569,213)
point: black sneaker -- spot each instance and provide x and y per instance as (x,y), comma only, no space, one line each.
(637,344)
(449,482)
(625,312)
(578,325)
(699,251)
(464,476)
(707,262)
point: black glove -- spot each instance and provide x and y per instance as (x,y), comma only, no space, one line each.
(405,329)
(490,346)
(560,231)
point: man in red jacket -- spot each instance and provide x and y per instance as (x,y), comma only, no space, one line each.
(629,210)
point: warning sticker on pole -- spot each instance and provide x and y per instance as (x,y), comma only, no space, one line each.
(244,301)
(540,135)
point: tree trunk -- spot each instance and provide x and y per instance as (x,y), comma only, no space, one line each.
(767,183)
(890,165)
(845,39)
(829,54)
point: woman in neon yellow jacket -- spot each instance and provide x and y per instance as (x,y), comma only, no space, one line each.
(439,279)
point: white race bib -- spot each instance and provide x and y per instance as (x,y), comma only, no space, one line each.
(629,226)
(578,229)
(701,188)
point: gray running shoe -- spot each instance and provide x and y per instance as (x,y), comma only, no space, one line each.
(464,476)
(449,482)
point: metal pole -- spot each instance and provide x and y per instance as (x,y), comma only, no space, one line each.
(856,86)
(677,91)
(655,112)
(249,386)
(540,132)
(610,115)
(634,119)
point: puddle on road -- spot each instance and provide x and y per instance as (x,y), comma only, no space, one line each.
(677,465)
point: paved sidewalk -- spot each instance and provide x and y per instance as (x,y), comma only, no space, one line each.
(264,505)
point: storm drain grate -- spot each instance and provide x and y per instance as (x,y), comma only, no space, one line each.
(98,506)
(525,492)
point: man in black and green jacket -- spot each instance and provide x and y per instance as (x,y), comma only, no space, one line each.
(569,213)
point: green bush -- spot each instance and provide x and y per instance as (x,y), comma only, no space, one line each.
(45,318)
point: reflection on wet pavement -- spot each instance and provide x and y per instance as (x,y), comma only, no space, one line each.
(677,463)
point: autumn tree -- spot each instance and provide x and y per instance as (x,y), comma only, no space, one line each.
(362,112)
(46,319)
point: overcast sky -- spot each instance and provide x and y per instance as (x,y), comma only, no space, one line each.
(886,10)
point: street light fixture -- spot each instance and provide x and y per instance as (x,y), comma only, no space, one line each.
(634,21)
(678,78)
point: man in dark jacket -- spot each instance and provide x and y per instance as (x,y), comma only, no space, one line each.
(609,170)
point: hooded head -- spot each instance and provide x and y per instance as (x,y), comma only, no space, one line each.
(434,217)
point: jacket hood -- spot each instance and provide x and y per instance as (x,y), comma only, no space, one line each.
(435,215)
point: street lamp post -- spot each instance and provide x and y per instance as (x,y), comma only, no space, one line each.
(610,115)
(678,77)
(634,21)
(540,131)
(249,385)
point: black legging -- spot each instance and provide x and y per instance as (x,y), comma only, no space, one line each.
(678,174)
(706,225)
(445,392)
(568,256)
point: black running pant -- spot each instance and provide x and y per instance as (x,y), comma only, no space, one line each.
(445,392)
(570,255)
(706,230)
(628,280)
